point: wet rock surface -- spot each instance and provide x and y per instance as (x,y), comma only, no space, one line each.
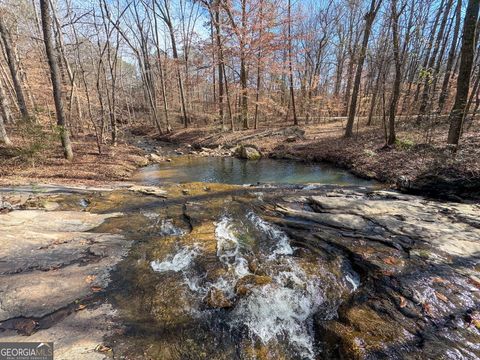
(443,183)
(232,272)
(418,261)
(217,299)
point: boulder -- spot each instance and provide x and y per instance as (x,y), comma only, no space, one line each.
(245,284)
(217,299)
(155,158)
(247,152)
(142,161)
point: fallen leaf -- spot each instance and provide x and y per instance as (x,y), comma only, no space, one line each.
(427,308)
(438,280)
(441,297)
(25,326)
(102,348)
(390,260)
(96,288)
(80,307)
(89,279)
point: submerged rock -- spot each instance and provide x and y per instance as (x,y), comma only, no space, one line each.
(217,299)
(246,283)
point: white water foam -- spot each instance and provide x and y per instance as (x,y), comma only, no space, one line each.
(282,309)
(168,229)
(282,241)
(180,261)
(228,247)
(353,279)
(150,215)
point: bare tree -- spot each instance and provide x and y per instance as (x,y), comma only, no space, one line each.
(451,58)
(4,116)
(369,19)
(163,7)
(12,65)
(290,66)
(457,114)
(397,55)
(55,77)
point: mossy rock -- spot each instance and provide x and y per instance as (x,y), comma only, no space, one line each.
(247,152)
(245,284)
(362,333)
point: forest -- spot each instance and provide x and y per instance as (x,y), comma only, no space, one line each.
(102,66)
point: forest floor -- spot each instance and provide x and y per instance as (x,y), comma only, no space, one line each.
(23,164)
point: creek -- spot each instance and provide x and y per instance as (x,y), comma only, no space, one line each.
(225,259)
(220,279)
(231,170)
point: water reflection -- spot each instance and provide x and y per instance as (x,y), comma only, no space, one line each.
(238,171)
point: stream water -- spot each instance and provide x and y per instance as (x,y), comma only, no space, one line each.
(230,170)
(211,277)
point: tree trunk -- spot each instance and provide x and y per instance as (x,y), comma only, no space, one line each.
(290,67)
(369,18)
(4,108)
(160,70)
(12,65)
(243,70)
(216,21)
(398,75)
(70,73)
(428,80)
(55,76)
(463,82)
(4,116)
(451,58)
(3,133)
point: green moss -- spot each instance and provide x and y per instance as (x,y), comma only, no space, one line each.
(404,144)
(369,152)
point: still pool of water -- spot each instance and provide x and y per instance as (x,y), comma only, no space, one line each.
(238,171)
